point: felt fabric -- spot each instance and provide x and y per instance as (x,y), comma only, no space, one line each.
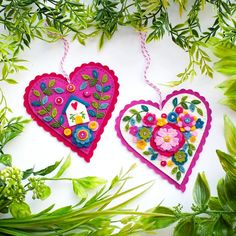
(76,113)
(168,140)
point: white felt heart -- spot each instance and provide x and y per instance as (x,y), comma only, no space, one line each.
(169,140)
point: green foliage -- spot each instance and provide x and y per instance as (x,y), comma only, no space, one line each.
(49,20)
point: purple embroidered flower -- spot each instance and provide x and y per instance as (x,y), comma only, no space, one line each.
(133,130)
(186,121)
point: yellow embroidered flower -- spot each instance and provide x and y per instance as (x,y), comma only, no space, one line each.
(78,120)
(161,121)
(141,144)
(192,139)
(93,125)
(170,163)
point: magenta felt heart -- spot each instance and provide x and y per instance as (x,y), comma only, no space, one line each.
(168,140)
(74,112)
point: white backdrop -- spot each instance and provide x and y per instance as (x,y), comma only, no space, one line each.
(122,54)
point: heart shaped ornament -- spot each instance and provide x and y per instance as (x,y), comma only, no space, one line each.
(169,140)
(76,113)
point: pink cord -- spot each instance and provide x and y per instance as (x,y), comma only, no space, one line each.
(66,50)
(147,58)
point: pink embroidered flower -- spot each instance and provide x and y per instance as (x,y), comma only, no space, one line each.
(149,119)
(162,158)
(186,122)
(167,140)
(133,130)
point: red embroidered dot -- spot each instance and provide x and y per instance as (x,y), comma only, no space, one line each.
(163,163)
(179,110)
(70,88)
(59,100)
(163,115)
(82,134)
(86,94)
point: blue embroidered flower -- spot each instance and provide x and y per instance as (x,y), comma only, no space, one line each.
(199,123)
(172,117)
(187,135)
(132,122)
(82,136)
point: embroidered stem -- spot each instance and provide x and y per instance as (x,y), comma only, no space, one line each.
(147,58)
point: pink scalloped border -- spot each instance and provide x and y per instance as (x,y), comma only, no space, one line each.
(181,186)
(89,155)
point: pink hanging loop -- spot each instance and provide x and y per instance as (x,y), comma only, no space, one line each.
(66,50)
(147,58)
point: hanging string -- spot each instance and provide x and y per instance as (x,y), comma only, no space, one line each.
(147,58)
(66,50)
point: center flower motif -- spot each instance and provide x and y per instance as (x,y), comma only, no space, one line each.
(167,140)
(82,136)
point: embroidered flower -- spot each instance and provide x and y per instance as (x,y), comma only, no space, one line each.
(82,136)
(161,121)
(132,122)
(193,139)
(149,119)
(180,157)
(162,157)
(187,134)
(141,144)
(199,123)
(144,133)
(167,140)
(133,130)
(186,121)
(93,125)
(172,117)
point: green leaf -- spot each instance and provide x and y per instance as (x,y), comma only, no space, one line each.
(95,105)
(27,173)
(54,112)
(175,102)
(97,96)
(51,83)
(126,118)
(100,115)
(105,98)
(6,159)
(91,182)
(127,127)
(48,169)
(79,190)
(184,98)
(214,204)
(104,79)
(230,192)
(61,211)
(133,111)
(138,118)
(44,192)
(204,226)
(185,227)
(146,153)
(159,222)
(174,170)
(86,77)
(47,92)
(144,108)
(56,124)
(11,81)
(221,194)
(230,135)
(42,112)
(36,93)
(19,210)
(184,105)
(228,162)
(49,107)
(195,102)
(178,175)
(199,111)
(222,228)
(64,167)
(93,82)
(201,191)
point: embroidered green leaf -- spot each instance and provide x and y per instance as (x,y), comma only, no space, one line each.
(97,96)
(201,191)
(55,124)
(190,152)
(192,147)
(42,112)
(184,105)
(127,127)
(86,77)
(47,92)
(93,82)
(92,113)
(126,118)
(138,118)
(95,74)
(36,93)
(184,98)
(146,153)
(195,102)
(100,115)
(144,108)
(104,79)
(174,170)
(178,175)
(95,105)
(54,112)
(133,111)
(49,107)
(106,97)
(51,83)
(175,102)
(199,111)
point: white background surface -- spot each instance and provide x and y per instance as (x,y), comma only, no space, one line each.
(122,54)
